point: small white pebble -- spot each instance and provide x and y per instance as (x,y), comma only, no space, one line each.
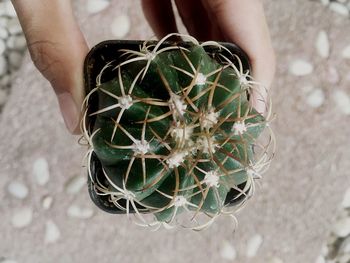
(41,171)
(325,2)
(5,80)
(19,42)
(339,8)
(2,46)
(346,52)
(17,189)
(346,200)
(342,227)
(3,33)
(52,233)
(316,98)
(8,261)
(228,251)
(300,67)
(95,6)
(14,26)
(320,259)
(3,66)
(120,26)
(2,8)
(10,42)
(47,202)
(253,245)
(75,184)
(276,260)
(322,44)
(342,101)
(22,218)
(345,246)
(79,212)
(344,258)
(3,96)
(15,59)
(10,10)
(324,250)
(3,20)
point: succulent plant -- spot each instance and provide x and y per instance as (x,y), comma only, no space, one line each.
(175,133)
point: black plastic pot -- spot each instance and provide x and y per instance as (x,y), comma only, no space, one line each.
(109,51)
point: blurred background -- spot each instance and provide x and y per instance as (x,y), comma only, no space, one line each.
(301,210)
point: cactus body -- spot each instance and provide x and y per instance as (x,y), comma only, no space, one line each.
(174,131)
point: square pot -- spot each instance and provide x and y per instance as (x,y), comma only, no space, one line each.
(109,51)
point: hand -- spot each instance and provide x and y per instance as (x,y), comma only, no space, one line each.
(58,48)
(239,21)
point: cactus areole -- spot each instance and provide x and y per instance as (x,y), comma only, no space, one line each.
(170,130)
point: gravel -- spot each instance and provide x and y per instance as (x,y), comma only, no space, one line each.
(342,227)
(22,218)
(95,6)
(75,184)
(76,211)
(227,251)
(3,66)
(346,199)
(315,98)
(342,101)
(46,202)
(276,260)
(3,96)
(322,44)
(2,46)
(12,48)
(346,52)
(41,171)
(52,233)
(120,26)
(339,8)
(253,245)
(18,189)
(300,67)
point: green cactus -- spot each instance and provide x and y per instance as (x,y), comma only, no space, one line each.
(174,131)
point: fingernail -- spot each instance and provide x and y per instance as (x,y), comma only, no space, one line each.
(69,111)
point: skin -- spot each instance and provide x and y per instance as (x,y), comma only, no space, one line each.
(46,25)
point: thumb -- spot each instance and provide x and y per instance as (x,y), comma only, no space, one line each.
(57,48)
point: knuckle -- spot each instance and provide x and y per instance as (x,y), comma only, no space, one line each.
(44,56)
(216,5)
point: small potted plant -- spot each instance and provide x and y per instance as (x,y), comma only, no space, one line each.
(172,136)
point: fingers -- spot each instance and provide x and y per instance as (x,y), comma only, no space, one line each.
(198,21)
(244,23)
(237,21)
(160,16)
(58,50)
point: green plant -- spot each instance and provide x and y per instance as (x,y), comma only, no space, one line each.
(174,131)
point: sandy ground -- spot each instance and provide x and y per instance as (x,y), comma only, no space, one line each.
(295,204)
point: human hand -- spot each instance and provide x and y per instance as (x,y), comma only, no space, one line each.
(238,21)
(58,48)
